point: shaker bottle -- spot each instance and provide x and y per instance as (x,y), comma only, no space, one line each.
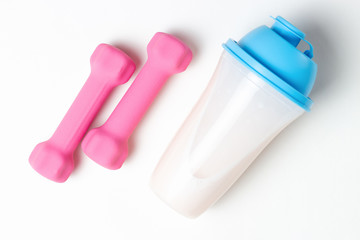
(261,85)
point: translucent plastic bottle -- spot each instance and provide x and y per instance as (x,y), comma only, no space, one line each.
(260,85)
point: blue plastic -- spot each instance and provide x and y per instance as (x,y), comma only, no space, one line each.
(272,54)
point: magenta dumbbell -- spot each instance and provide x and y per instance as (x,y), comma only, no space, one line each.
(54,158)
(108,144)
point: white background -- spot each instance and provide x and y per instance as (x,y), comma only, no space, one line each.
(305,185)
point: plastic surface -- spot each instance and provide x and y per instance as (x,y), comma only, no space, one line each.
(272,53)
(234,120)
(107,145)
(287,31)
(54,158)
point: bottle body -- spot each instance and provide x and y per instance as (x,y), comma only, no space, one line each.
(235,119)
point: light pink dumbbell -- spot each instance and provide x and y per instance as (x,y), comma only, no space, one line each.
(54,158)
(108,144)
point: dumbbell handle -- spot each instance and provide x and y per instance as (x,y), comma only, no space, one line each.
(81,113)
(136,101)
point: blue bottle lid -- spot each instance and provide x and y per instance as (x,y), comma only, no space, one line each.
(272,54)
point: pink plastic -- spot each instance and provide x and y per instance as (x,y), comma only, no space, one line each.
(54,158)
(107,145)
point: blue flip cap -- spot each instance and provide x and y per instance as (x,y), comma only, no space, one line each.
(272,54)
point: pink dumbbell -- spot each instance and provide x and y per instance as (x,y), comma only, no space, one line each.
(107,145)
(54,158)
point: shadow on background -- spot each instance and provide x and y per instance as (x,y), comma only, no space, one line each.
(326,54)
